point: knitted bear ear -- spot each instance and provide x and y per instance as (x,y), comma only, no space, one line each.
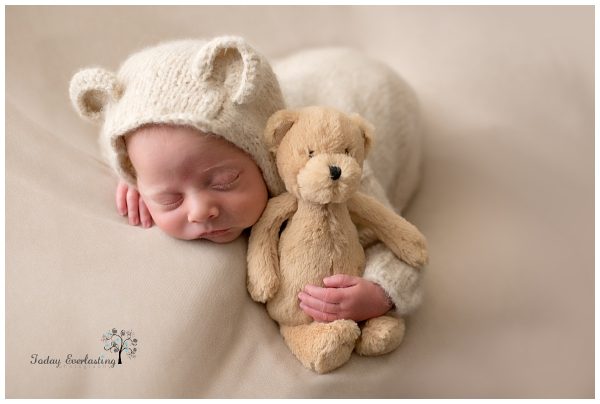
(91,89)
(277,126)
(230,62)
(367,130)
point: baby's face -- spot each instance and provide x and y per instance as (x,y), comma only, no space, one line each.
(196,185)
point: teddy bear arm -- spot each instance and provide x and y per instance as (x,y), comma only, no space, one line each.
(403,238)
(263,257)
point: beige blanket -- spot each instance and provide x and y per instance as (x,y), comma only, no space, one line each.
(506,202)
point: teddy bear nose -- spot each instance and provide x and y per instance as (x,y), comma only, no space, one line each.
(335,172)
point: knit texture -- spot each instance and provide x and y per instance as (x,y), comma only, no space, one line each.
(222,86)
(400,281)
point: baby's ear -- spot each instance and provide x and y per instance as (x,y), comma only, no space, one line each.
(367,130)
(277,126)
(230,62)
(91,90)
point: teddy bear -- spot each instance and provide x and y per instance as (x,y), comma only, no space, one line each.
(310,232)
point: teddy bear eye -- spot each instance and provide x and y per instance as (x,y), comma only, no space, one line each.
(347,151)
(310,153)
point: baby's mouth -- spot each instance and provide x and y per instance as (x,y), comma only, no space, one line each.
(215,232)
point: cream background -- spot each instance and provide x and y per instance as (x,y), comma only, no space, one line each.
(506,202)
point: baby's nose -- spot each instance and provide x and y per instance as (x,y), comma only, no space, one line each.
(201,211)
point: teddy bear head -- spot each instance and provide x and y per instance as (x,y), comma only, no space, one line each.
(319,151)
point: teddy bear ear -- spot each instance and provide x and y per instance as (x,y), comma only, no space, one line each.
(91,90)
(277,126)
(367,130)
(230,62)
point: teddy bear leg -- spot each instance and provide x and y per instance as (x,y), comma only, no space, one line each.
(380,335)
(322,347)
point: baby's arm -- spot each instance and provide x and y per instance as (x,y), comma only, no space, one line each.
(387,283)
(130,204)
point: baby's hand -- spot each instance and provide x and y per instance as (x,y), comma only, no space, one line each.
(344,297)
(131,204)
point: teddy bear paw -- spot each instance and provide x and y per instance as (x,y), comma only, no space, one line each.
(322,347)
(380,335)
(263,290)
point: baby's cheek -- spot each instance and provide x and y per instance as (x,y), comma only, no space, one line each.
(168,222)
(247,203)
(255,207)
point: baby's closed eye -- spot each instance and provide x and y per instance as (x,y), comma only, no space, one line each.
(225,179)
(167,199)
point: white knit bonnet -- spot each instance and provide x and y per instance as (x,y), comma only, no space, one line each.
(221,86)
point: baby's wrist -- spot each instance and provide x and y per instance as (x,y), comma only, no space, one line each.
(389,303)
(388,300)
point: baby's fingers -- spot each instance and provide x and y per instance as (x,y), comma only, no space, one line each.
(133,212)
(121,198)
(318,315)
(329,295)
(145,216)
(317,304)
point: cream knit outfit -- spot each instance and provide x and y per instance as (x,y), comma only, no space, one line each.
(223,86)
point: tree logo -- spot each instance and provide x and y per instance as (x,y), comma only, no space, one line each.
(121,343)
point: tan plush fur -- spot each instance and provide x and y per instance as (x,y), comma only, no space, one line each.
(319,153)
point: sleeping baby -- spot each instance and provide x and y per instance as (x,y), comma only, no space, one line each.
(183,126)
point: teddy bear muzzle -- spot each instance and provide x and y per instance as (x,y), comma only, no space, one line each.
(335,173)
(329,178)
